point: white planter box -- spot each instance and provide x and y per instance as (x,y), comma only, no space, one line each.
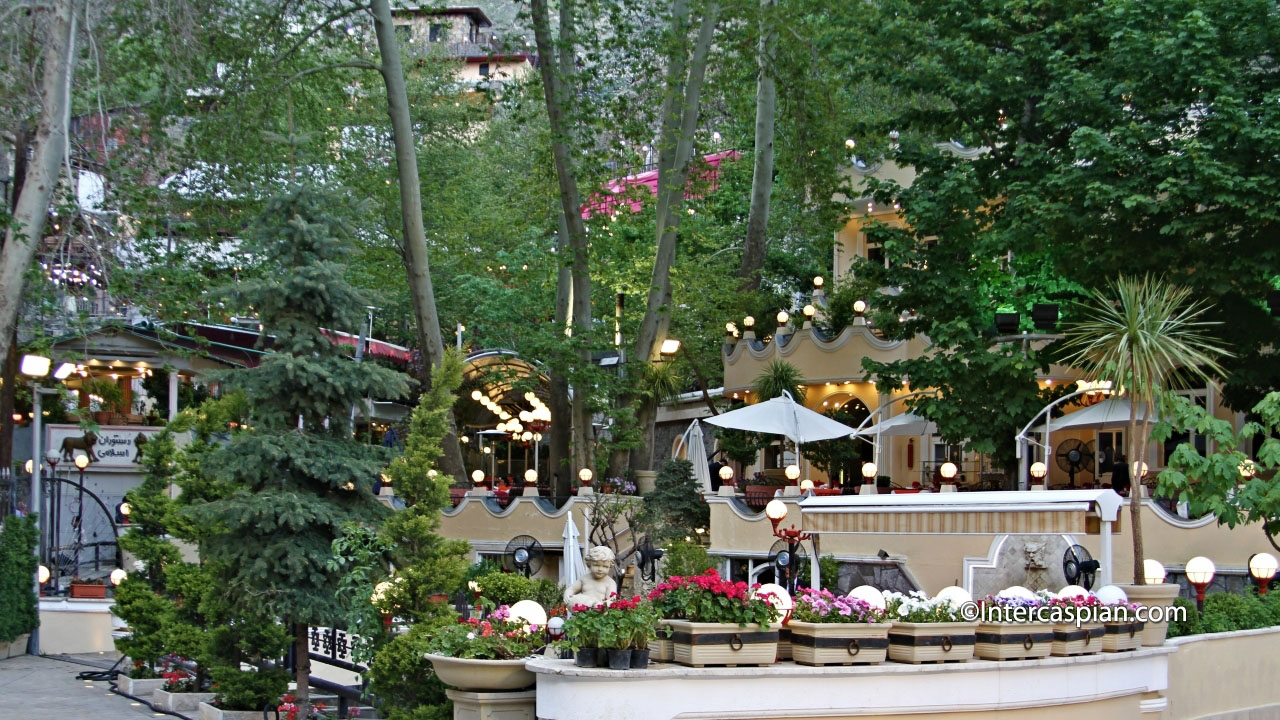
(839,643)
(702,644)
(183,702)
(1013,641)
(1161,595)
(1071,640)
(209,712)
(1119,637)
(931,642)
(139,688)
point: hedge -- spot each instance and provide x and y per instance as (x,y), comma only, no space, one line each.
(18,615)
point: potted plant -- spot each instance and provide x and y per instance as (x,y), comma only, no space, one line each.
(643,623)
(110,399)
(1121,629)
(622,624)
(181,692)
(710,621)
(1009,629)
(583,631)
(928,629)
(829,629)
(1077,632)
(88,589)
(484,654)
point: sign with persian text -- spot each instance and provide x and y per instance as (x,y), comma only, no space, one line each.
(111,446)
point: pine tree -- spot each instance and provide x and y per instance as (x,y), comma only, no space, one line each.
(298,474)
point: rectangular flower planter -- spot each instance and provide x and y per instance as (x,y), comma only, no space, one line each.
(839,643)
(931,642)
(209,712)
(1013,641)
(660,649)
(702,644)
(1119,637)
(183,702)
(1071,640)
(139,688)
(88,592)
(784,641)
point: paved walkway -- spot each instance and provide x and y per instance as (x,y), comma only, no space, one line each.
(47,688)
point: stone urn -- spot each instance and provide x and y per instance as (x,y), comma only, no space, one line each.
(481,675)
(1159,595)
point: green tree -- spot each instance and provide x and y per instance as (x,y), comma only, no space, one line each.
(1146,337)
(779,376)
(299,477)
(675,508)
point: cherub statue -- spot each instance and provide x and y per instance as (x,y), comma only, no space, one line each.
(597,585)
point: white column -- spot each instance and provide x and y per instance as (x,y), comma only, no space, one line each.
(1105,569)
(173,395)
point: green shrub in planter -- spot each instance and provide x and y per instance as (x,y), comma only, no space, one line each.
(403,681)
(239,690)
(1225,612)
(505,588)
(684,558)
(18,614)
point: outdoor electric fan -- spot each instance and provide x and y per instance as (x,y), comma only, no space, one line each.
(789,561)
(1079,567)
(1074,456)
(647,559)
(523,555)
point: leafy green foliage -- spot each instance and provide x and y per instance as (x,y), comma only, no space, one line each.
(829,569)
(18,539)
(504,588)
(675,508)
(252,690)
(1227,612)
(487,639)
(779,376)
(685,557)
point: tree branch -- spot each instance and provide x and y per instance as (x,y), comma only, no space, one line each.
(312,32)
(360,64)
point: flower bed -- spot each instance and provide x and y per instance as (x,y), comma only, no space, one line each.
(1012,639)
(928,629)
(710,620)
(828,629)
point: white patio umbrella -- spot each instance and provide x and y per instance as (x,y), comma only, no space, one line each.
(901,425)
(697,454)
(1112,412)
(783,416)
(572,566)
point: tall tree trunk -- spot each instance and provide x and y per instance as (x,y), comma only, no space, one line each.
(22,237)
(559,463)
(416,263)
(762,177)
(680,120)
(302,668)
(555,65)
(1138,435)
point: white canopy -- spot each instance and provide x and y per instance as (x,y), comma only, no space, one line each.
(906,424)
(783,416)
(1110,413)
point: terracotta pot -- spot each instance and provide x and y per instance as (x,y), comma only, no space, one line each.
(1013,641)
(839,643)
(481,675)
(1071,640)
(1122,636)
(97,592)
(701,644)
(931,642)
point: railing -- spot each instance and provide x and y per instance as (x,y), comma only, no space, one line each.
(332,646)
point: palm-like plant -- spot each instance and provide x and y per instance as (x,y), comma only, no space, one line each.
(1146,336)
(779,375)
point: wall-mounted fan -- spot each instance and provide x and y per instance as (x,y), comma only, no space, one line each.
(647,557)
(523,555)
(790,562)
(1074,456)
(1079,567)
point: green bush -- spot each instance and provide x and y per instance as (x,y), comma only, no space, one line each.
(239,690)
(1225,612)
(505,588)
(1187,626)
(547,593)
(675,508)
(403,681)
(829,568)
(685,558)
(18,615)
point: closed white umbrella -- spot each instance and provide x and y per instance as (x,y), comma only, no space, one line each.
(572,567)
(783,416)
(697,455)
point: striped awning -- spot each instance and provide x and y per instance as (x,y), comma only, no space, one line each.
(977,513)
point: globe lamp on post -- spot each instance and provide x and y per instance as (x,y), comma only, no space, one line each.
(584,476)
(792,472)
(948,471)
(868,471)
(1262,568)
(477,477)
(726,473)
(1153,571)
(1038,471)
(1200,572)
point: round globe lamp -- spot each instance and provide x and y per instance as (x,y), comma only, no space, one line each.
(584,475)
(1248,469)
(776,510)
(530,477)
(1262,568)
(859,307)
(82,461)
(1200,571)
(792,472)
(948,471)
(42,573)
(868,471)
(118,575)
(477,477)
(868,595)
(726,473)
(783,317)
(806,485)
(1153,571)
(1039,470)
(530,613)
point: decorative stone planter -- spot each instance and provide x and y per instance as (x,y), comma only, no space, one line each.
(784,640)
(88,592)
(209,712)
(660,647)
(931,642)
(1013,641)
(1071,640)
(493,706)
(702,644)
(481,675)
(646,481)
(1162,595)
(15,648)
(839,643)
(139,688)
(183,702)
(1119,637)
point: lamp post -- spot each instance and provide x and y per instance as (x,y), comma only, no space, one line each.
(1262,568)
(948,471)
(36,367)
(776,511)
(1038,471)
(1200,572)
(869,471)
(1153,571)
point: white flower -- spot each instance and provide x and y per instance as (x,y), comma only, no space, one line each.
(903,611)
(471,636)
